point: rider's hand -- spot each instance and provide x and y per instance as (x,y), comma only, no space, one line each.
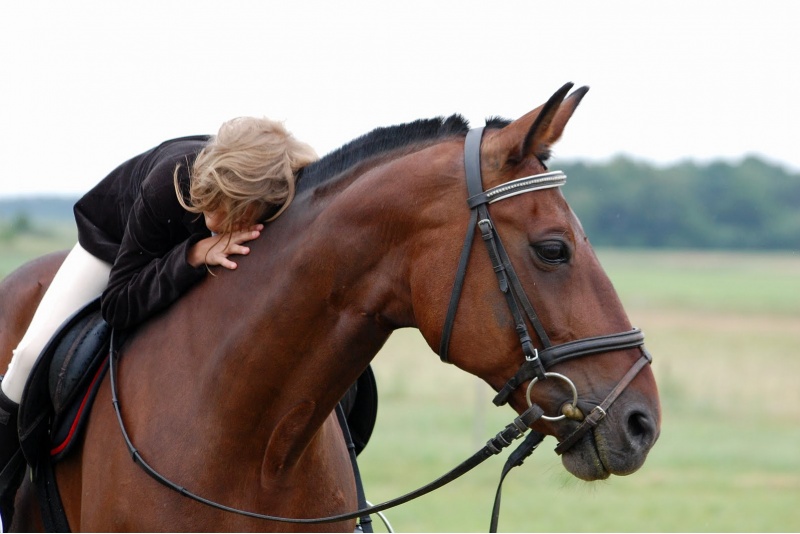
(215,250)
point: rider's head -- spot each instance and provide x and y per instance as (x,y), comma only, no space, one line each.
(245,172)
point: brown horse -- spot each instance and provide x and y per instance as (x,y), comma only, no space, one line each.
(230,392)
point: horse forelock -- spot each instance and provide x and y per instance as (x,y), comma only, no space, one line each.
(381,141)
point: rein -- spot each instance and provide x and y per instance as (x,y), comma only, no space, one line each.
(534,368)
(515,430)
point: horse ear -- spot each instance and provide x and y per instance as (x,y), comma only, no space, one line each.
(538,129)
(550,123)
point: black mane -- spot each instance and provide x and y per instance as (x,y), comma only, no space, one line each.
(377,142)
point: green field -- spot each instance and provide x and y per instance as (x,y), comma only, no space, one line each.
(17,249)
(724,329)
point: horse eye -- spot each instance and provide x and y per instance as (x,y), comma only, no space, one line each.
(552,252)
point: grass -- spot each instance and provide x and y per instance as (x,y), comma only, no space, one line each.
(747,284)
(19,248)
(725,332)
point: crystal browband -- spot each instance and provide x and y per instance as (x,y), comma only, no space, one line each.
(520,185)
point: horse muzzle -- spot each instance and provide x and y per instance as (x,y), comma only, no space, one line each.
(618,444)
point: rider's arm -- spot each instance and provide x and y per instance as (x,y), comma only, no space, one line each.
(151,269)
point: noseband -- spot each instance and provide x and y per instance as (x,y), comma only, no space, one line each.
(537,361)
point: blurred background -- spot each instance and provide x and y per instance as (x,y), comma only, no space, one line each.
(682,166)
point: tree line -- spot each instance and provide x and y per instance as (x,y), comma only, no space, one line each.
(750,205)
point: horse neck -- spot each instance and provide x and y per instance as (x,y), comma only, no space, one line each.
(327,299)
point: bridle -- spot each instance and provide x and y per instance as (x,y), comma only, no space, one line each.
(537,361)
(534,367)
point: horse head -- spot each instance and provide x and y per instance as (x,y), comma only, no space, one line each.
(548,254)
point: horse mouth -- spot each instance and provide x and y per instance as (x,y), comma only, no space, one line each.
(592,458)
(585,460)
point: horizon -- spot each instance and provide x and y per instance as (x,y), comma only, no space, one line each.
(732,162)
(89,84)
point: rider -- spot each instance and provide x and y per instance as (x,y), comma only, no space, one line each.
(147,233)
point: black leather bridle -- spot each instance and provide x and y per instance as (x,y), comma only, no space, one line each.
(537,361)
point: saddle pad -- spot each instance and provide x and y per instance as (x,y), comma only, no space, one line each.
(360,404)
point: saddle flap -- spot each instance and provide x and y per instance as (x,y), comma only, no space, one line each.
(66,366)
(75,358)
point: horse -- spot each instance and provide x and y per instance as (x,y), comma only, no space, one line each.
(231,391)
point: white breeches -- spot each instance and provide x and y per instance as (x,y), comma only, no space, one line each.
(81,278)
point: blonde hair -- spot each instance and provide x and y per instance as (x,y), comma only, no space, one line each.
(247,169)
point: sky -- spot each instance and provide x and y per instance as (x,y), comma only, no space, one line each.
(85,85)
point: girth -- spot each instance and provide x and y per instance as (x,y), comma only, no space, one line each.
(537,360)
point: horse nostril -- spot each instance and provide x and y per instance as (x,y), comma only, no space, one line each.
(640,428)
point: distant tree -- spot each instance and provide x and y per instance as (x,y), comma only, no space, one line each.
(21,224)
(625,203)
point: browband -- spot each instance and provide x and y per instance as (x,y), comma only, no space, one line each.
(526,184)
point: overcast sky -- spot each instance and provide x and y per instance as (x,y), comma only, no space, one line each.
(85,85)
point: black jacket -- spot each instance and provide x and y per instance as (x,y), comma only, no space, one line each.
(133,220)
